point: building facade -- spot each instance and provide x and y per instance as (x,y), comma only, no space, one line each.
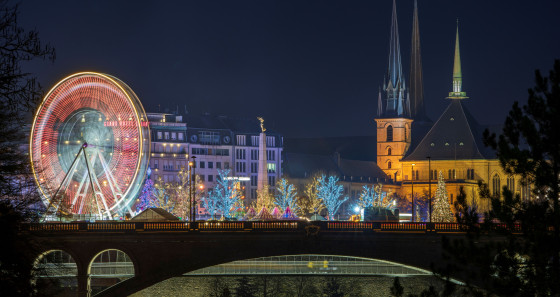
(213,143)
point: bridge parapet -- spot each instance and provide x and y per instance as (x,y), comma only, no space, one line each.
(256,226)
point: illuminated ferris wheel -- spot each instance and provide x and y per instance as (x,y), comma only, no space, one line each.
(89,146)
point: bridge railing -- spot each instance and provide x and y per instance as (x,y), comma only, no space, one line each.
(256,226)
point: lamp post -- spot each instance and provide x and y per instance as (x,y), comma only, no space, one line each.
(192,193)
(413,218)
(430,185)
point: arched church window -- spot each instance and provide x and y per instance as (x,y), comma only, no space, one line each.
(496,185)
(389,151)
(511,184)
(389,165)
(390,133)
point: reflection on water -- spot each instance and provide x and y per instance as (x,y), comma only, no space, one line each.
(308,286)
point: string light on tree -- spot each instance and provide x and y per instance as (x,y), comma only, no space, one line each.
(442,209)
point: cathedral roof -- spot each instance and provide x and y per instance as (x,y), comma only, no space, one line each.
(455,136)
(297,165)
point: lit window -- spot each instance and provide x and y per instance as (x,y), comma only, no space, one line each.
(271,168)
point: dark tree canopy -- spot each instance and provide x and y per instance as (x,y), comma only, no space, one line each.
(19,94)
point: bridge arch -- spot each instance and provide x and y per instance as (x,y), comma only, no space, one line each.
(54,271)
(109,267)
(311,264)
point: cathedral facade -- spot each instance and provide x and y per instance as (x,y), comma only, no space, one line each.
(412,150)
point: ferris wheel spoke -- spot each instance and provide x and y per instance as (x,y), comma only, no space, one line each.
(83,196)
(79,192)
(98,193)
(116,191)
(55,202)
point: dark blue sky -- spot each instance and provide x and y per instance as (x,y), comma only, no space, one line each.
(311,68)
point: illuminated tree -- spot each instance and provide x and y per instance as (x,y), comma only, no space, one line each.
(310,202)
(374,196)
(146,196)
(331,192)
(225,197)
(441,209)
(264,198)
(161,197)
(286,196)
(179,193)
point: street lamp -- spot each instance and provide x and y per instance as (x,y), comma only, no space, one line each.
(413,218)
(430,185)
(192,193)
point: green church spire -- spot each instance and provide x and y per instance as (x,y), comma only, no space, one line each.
(457,76)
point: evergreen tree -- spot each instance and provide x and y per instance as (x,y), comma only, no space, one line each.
(529,147)
(331,193)
(441,209)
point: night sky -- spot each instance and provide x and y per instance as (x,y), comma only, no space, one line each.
(311,68)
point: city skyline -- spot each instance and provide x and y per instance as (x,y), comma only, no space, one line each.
(298,64)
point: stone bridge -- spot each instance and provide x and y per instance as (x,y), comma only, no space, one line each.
(161,250)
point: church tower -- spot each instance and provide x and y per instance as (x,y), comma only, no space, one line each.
(393,122)
(417,109)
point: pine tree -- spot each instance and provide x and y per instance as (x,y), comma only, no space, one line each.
(442,209)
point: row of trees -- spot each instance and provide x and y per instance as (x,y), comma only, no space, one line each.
(323,193)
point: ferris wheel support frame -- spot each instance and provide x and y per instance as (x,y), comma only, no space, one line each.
(93,181)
